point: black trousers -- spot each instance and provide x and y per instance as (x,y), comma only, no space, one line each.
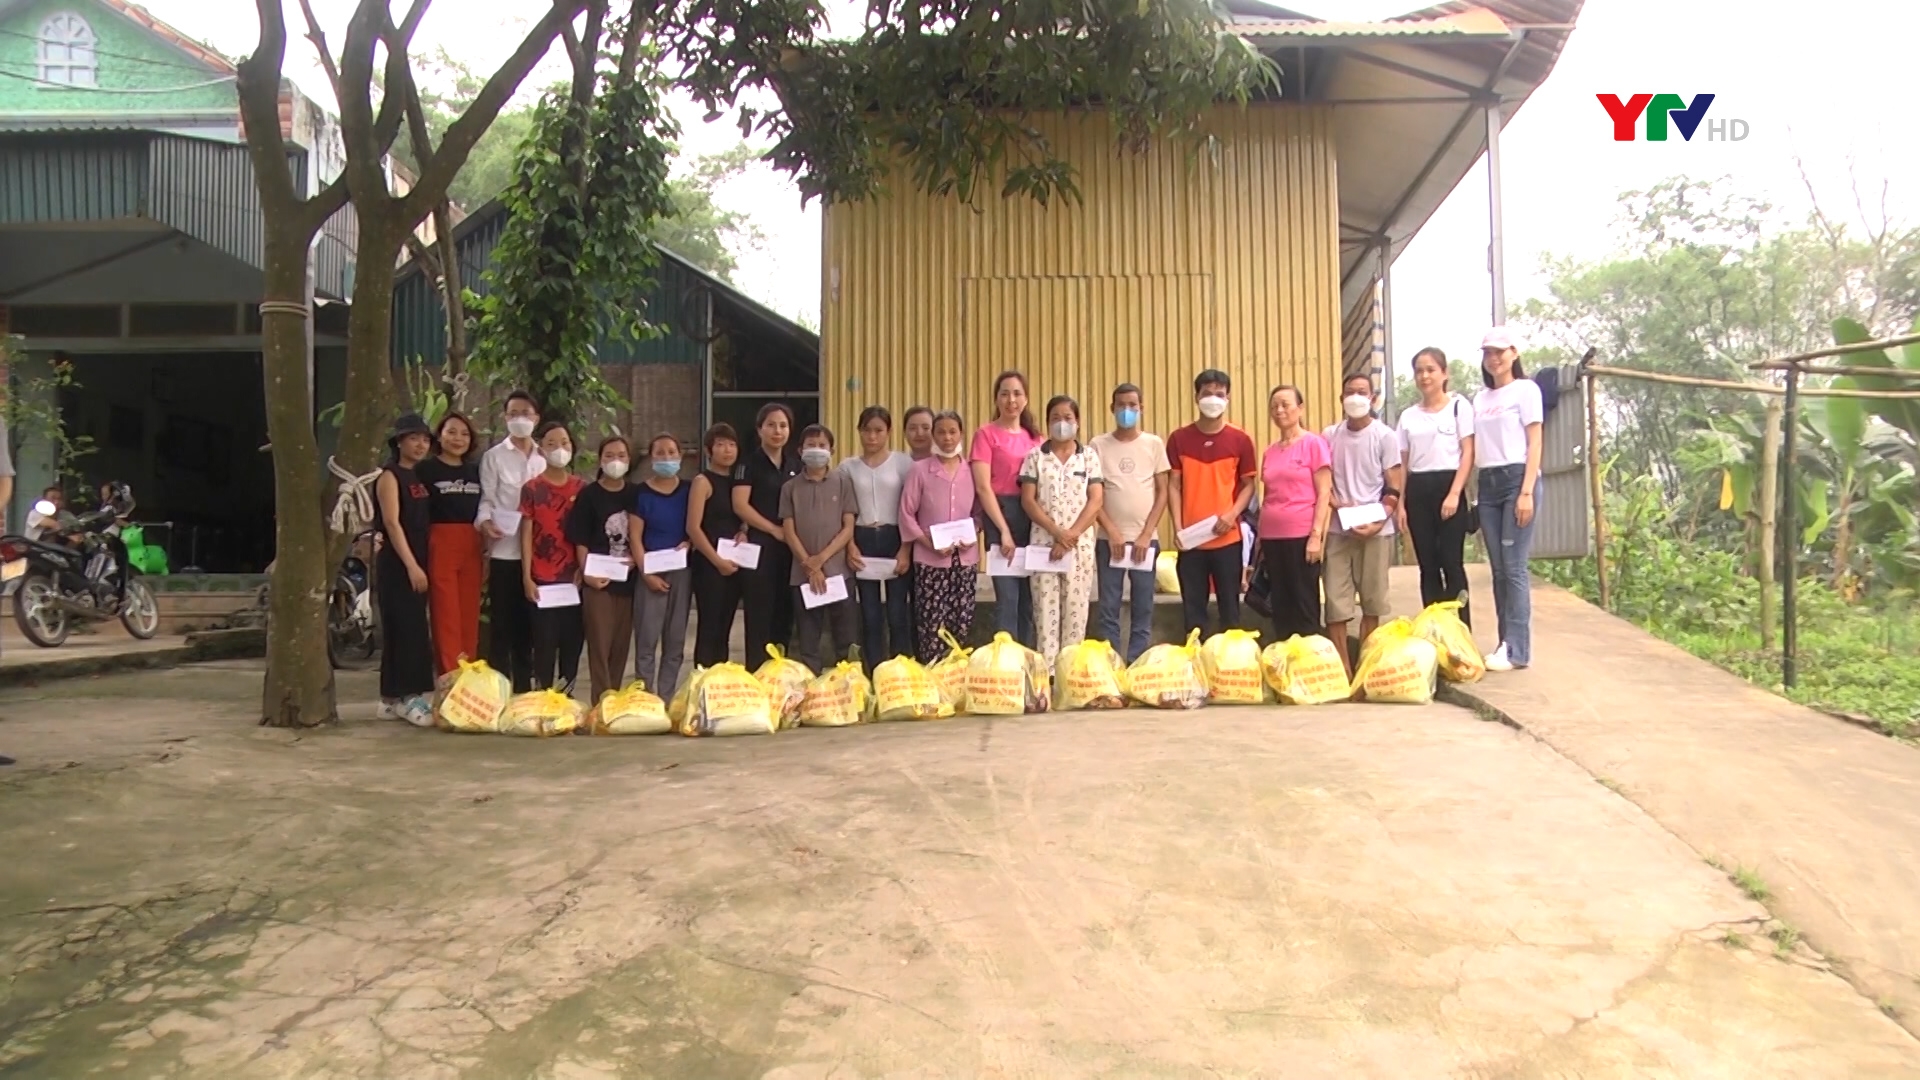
(716,597)
(559,634)
(1293,586)
(509,624)
(842,620)
(406,645)
(768,598)
(1438,543)
(1217,569)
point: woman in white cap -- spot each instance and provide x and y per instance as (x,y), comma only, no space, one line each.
(1506,429)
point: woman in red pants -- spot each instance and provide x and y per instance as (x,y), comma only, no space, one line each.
(456,557)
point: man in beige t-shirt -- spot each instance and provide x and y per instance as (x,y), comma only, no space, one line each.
(1135,470)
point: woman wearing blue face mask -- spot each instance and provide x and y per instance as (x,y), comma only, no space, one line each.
(657,523)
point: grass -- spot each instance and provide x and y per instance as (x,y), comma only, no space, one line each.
(1734,940)
(1785,937)
(1612,785)
(1752,884)
(1887,1006)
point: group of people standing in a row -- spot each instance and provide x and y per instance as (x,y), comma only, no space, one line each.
(883,549)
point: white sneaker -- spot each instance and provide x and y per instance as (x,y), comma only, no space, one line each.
(418,711)
(389,710)
(1497,659)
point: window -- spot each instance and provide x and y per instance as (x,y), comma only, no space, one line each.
(66,50)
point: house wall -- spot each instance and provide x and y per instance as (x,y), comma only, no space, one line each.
(113,34)
(1172,263)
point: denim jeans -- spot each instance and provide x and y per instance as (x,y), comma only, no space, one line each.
(1508,545)
(886,630)
(1139,606)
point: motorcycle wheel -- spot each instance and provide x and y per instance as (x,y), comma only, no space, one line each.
(140,612)
(37,611)
(348,648)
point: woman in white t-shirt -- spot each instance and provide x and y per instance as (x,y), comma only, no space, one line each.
(1506,421)
(1436,439)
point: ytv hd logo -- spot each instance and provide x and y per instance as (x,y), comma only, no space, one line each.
(1665,110)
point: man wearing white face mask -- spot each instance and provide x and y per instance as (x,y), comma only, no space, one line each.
(503,471)
(1367,480)
(1214,465)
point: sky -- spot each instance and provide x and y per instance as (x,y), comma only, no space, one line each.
(1829,85)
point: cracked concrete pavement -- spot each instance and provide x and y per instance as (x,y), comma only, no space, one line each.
(1338,892)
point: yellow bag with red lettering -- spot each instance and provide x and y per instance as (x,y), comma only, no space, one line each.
(840,697)
(1167,676)
(1305,669)
(629,711)
(1005,678)
(471,697)
(1460,659)
(1230,666)
(950,674)
(903,689)
(1396,666)
(540,714)
(723,700)
(786,681)
(1087,676)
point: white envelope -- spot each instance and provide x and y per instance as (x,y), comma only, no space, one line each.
(1001,566)
(660,562)
(1143,562)
(878,569)
(508,521)
(948,533)
(1353,517)
(608,568)
(744,556)
(836,592)
(1197,533)
(557,596)
(1038,559)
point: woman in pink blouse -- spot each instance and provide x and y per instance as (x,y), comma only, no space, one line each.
(999,447)
(940,491)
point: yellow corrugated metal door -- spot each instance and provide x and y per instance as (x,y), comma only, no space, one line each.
(1034,325)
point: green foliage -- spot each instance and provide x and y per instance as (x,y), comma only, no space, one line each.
(32,409)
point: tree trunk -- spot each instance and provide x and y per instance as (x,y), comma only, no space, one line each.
(299,686)
(371,389)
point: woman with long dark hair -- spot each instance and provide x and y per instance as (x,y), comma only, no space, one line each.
(879,473)
(598,526)
(756,501)
(1436,440)
(710,519)
(1000,446)
(1296,477)
(1506,422)
(400,577)
(456,551)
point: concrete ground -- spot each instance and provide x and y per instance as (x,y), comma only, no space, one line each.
(1346,891)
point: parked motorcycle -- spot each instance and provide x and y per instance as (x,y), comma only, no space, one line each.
(78,573)
(353,634)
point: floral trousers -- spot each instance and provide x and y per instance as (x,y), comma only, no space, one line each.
(1060,602)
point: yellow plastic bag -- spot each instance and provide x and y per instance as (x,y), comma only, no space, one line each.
(904,689)
(950,674)
(840,697)
(1460,659)
(1087,676)
(473,698)
(630,711)
(1166,573)
(723,700)
(1397,667)
(786,681)
(1167,677)
(1230,666)
(1305,669)
(1005,678)
(539,714)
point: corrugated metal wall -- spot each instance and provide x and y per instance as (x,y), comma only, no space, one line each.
(60,178)
(1171,264)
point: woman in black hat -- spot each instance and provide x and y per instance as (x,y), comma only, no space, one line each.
(400,577)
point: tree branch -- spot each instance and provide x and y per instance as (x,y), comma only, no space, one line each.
(319,39)
(258,88)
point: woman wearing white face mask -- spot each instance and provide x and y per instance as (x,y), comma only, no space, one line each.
(939,492)
(548,558)
(1061,492)
(598,526)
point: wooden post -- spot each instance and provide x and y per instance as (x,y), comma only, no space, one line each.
(1789,605)
(1595,493)
(1769,545)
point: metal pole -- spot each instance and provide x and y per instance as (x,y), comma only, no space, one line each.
(1768,548)
(1496,231)
(1594,492)
(1386,330)
(1789,532)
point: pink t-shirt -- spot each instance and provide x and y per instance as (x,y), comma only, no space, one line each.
(1003,451)
(1286,510)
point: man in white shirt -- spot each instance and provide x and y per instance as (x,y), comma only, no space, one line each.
(1368,478)
(1135,470)
(503,469)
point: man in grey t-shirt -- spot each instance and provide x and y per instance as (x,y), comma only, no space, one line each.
(1368,478)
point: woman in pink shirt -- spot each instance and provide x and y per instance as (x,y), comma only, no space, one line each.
(938,491)
(1297,477)
(999,447)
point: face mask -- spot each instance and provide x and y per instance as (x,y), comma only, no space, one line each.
(1356,405)
(946,454)
(666,468)
(1213,407)
(614,469)
(1064,430)
(814,457)
(1128,418)
(559,458)
(519,427)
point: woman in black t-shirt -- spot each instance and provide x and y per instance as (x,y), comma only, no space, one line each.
(456,552)
(710,519)
(598,526)
(756,499)
(400,577)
